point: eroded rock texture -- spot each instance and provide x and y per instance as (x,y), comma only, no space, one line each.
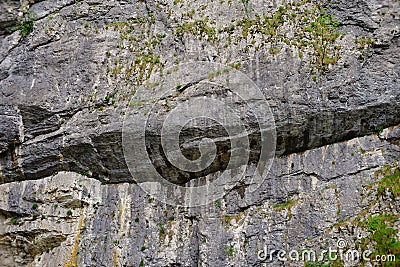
(71,220)
(65,85)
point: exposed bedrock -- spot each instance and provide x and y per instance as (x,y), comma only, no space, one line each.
(61,109)
(70,71)
(307,201)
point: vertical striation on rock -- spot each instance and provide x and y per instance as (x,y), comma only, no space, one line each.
(69,71)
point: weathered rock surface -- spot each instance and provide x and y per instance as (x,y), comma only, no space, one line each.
(58,98)
(65,88)
(72,220)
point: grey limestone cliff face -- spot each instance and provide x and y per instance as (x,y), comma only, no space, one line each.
(72,220)
(70,70)
(60,83)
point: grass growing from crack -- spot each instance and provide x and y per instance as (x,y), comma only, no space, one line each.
(14,220)
(26,25)
(161,230)
(217,203)
(286,205)
(230,250)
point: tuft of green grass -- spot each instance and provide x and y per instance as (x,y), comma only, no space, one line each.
(69,213)
(383,236)
(230,250)
(26,25)
(378,222)
(162,229)
(107,98)
(390,183)
(379,129)
(217,203)
(84,172)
